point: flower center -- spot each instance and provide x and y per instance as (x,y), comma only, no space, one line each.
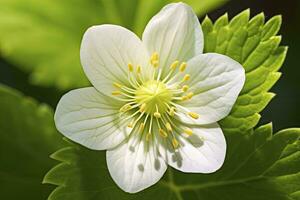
(155,96)
(156,101)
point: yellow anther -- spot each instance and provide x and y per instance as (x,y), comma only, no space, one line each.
(190,95)
(148,136)
(182,67)
(138,69)
(157,115)
(186,77)
(155,63)
(130,67)
(154,59)
(115,93)
(142,108)
(163,133)
(175,143)
(188,131)
(184,98)
(125,108)
(169,127)
(172,111)
(130,125)
(154,56)
(185,88)
(193,115)
(142,126)
(117,85)
(174,65)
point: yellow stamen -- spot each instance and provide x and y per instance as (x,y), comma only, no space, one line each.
(182,67)
(130,125)
(130,67)
(172,111)
(163,133)
(142,126)
(174,65)
(154,59)
(175,143)
(155,63)
(184,98)
(142,108)
(117,85)
(115,93)
(125,108)
(154,56)
(188,131)
(169,127)
(185,88)
(157,115)
(186,77)
(193,115)
(138,69)
(148,136)
(190,95)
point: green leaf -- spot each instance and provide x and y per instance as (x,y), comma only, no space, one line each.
(27,138)
(258,166)
(43,37)
(255,45)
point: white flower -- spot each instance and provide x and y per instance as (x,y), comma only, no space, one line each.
(155,101)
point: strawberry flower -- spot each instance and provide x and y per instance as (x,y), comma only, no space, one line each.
(155,101)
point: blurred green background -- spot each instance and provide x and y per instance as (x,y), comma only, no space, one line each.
(283,110)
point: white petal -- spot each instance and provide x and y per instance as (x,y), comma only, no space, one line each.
(90,119)
(105,53)
(175,34)
(202,152)
(135,164)
(216,81)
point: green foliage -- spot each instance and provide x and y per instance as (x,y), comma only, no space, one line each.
(28,137)
(255,45)
(43,37)
(258,166)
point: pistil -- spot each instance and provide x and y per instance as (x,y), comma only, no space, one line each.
(156,98)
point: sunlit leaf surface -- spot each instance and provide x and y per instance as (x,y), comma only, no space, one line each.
(43,37)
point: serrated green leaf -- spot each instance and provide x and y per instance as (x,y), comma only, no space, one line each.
(258,166)
(256,46)
(27,138)
(272,27)
(43,37)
